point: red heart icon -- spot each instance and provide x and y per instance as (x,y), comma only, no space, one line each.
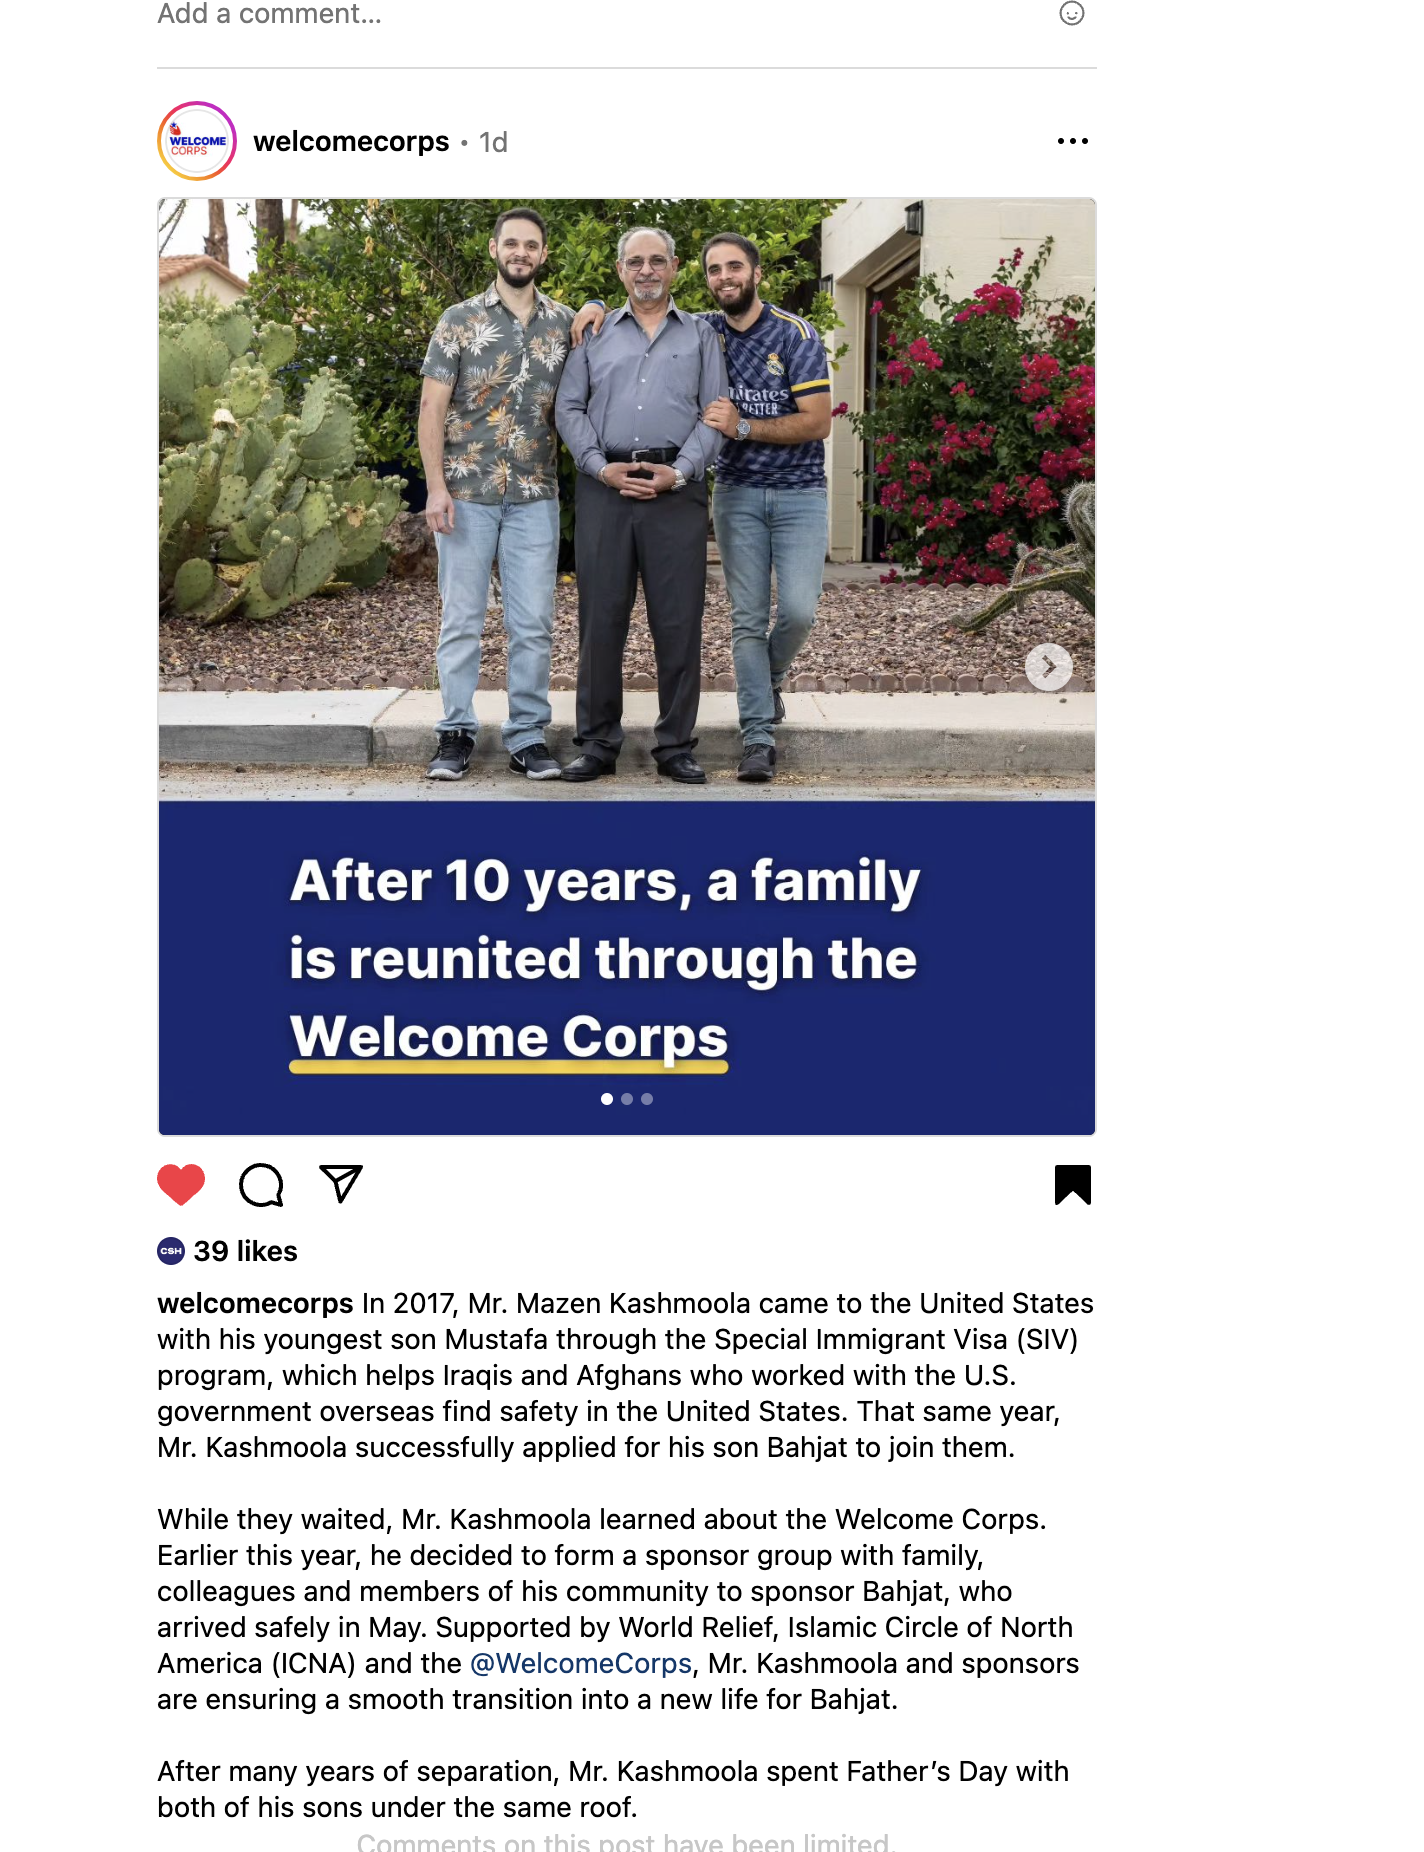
(181,1183)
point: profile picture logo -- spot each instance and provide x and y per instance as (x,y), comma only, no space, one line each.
(196,141)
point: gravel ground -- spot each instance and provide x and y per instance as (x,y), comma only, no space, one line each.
(866,635)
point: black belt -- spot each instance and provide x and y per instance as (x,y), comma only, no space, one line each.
(641,456)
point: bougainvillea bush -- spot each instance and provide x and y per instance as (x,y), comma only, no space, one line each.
(983,421)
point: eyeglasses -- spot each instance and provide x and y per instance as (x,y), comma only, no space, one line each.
(645,263)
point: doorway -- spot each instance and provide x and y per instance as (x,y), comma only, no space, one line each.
(887,292)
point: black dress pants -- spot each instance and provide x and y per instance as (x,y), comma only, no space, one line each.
(617,541)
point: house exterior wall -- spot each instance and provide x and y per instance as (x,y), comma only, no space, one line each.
(201,278)
(864,241)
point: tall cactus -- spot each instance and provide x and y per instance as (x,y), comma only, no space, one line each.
(258,506)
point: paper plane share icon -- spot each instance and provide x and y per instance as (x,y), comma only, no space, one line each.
(342,1177)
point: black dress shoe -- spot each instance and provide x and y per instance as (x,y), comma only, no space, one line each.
(587,767)
(758,766)
(683,769)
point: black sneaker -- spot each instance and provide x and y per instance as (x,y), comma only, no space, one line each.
(778,707)
(452,758)
(758,766)
(535,761)
(683,769)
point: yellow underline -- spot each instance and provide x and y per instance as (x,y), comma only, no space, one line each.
(507,1067)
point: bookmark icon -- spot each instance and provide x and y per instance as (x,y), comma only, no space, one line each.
(342,1177)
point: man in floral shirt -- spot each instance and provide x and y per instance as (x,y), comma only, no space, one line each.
(490,451)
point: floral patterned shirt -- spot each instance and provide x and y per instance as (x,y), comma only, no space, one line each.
(500,441)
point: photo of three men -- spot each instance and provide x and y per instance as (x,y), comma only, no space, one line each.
(647,398)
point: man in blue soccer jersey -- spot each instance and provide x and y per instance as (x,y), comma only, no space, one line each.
(769,509)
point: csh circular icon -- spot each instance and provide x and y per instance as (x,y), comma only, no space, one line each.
(171,1251)
(1048,667)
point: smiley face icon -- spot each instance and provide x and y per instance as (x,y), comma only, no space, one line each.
(1071,13)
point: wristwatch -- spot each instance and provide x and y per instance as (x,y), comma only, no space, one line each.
(679,481)
(744,429)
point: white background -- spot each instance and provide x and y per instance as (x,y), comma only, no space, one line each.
(1237,1538)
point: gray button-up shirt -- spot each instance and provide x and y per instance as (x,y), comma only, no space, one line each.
(622,392)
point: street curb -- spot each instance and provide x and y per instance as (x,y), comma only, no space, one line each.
(270,729)
(965,736)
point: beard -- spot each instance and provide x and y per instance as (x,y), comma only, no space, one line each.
(527,274)
(650,292)
(738,304)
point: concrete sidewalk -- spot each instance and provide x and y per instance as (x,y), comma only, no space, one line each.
(965,735)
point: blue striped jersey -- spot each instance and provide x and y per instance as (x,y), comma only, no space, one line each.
(774,367)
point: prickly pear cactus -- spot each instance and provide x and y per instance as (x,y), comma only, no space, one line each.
(273,496)
(191,583)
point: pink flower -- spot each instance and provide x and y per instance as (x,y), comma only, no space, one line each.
(993,299)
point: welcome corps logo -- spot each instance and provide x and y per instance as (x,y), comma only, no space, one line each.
(196,140)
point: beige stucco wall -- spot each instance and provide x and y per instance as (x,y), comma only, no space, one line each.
(865,240)
(193,280)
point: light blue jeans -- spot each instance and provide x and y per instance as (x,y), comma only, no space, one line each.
(761,531)
(524,537)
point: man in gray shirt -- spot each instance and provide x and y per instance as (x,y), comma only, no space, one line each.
(630,409)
